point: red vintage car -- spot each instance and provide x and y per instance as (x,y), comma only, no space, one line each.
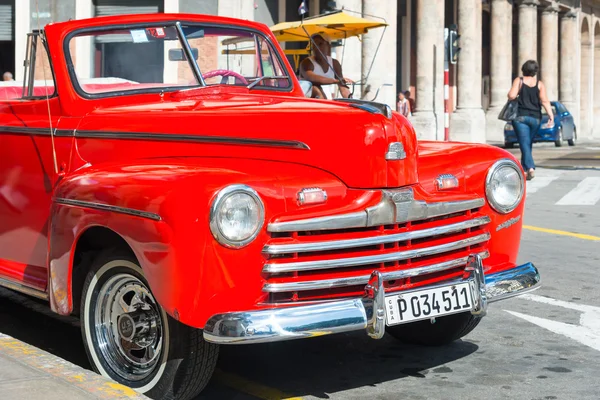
(166,180)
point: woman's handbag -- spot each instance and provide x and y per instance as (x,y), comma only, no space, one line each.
(510,111)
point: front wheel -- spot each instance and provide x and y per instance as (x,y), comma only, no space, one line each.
(559,139)
(445,330)
(130,339)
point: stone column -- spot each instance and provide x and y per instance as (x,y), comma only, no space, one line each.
(549,44)
(381,62)
(428,118)
(528,36)
(350,55)
(500,66)
(568,57)
(467,124)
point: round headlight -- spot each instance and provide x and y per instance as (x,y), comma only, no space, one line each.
(504,186)
(236,216)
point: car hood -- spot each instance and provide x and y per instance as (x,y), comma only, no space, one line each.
(340,138)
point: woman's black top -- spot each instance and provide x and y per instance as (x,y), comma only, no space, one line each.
(529,101)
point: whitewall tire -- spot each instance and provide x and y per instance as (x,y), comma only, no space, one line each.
(129,337)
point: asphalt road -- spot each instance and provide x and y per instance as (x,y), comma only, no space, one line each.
(543,346)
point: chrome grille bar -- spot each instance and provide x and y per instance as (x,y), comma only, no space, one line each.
(374,259)
(364,279)
(276,249)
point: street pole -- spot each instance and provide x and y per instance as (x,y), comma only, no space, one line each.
(446,85)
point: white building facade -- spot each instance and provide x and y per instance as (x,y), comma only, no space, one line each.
(497,36)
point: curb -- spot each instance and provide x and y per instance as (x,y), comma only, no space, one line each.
(62,370)
(569,167)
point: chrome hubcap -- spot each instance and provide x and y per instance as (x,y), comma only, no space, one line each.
(129,327)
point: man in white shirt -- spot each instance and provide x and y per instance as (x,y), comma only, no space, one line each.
(317,69)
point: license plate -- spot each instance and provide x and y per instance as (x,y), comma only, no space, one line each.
(428,303)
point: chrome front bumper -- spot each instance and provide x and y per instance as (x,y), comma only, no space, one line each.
(367,313)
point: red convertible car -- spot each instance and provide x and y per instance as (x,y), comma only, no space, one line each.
(177,195)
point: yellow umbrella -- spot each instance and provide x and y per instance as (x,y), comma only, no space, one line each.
(338,25)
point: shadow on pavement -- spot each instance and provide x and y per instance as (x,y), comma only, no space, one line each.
(336,363)
(316,367)
(32,322)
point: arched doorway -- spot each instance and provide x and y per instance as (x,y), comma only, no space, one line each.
(584,98)
(595,130)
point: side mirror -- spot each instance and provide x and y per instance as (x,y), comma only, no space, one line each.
(306,87)
(179,54)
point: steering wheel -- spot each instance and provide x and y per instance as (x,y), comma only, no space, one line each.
(225,73)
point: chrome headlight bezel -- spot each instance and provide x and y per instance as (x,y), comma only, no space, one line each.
(215,228)
(497,166)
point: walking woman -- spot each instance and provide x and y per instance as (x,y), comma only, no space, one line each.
(532,96)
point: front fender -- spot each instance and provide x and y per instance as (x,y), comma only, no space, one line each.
(161,209)
(470,164)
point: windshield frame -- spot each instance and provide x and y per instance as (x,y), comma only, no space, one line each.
(168,89)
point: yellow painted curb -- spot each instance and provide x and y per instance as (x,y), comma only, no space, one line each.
(61,369)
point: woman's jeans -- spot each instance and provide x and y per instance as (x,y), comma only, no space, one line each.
(526,128)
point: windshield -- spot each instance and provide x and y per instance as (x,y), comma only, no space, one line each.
(154,58)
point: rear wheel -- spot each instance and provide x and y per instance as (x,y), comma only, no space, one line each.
(573,139)
(559,139)
(130,339)
(445,330)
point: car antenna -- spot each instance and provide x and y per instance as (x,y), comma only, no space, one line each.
(41,35)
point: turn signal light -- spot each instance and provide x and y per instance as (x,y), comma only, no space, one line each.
(312,196)
(446,181)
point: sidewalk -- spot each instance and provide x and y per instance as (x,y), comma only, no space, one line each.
(585,155)
(29,373)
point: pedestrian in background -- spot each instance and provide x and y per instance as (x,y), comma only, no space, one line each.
(8,76)
(403,105)
(411,101)
(531,94)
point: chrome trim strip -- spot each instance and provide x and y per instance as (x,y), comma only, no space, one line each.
(374,259)
(344,221)
(418,210)
(191,138)
(372,241)
(396,206)
(21,130)
(364,279)
(304,321)
(25,130)
(293,144)
(23,289)
(106,207)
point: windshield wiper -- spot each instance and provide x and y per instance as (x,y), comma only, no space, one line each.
(259,80)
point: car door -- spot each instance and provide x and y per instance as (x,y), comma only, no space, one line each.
(567,121)
(28,172)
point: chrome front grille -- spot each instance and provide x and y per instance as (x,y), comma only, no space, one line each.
(336,260)
(374,259)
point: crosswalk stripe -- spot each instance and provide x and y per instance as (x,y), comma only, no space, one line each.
(587,193)
(539,182)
